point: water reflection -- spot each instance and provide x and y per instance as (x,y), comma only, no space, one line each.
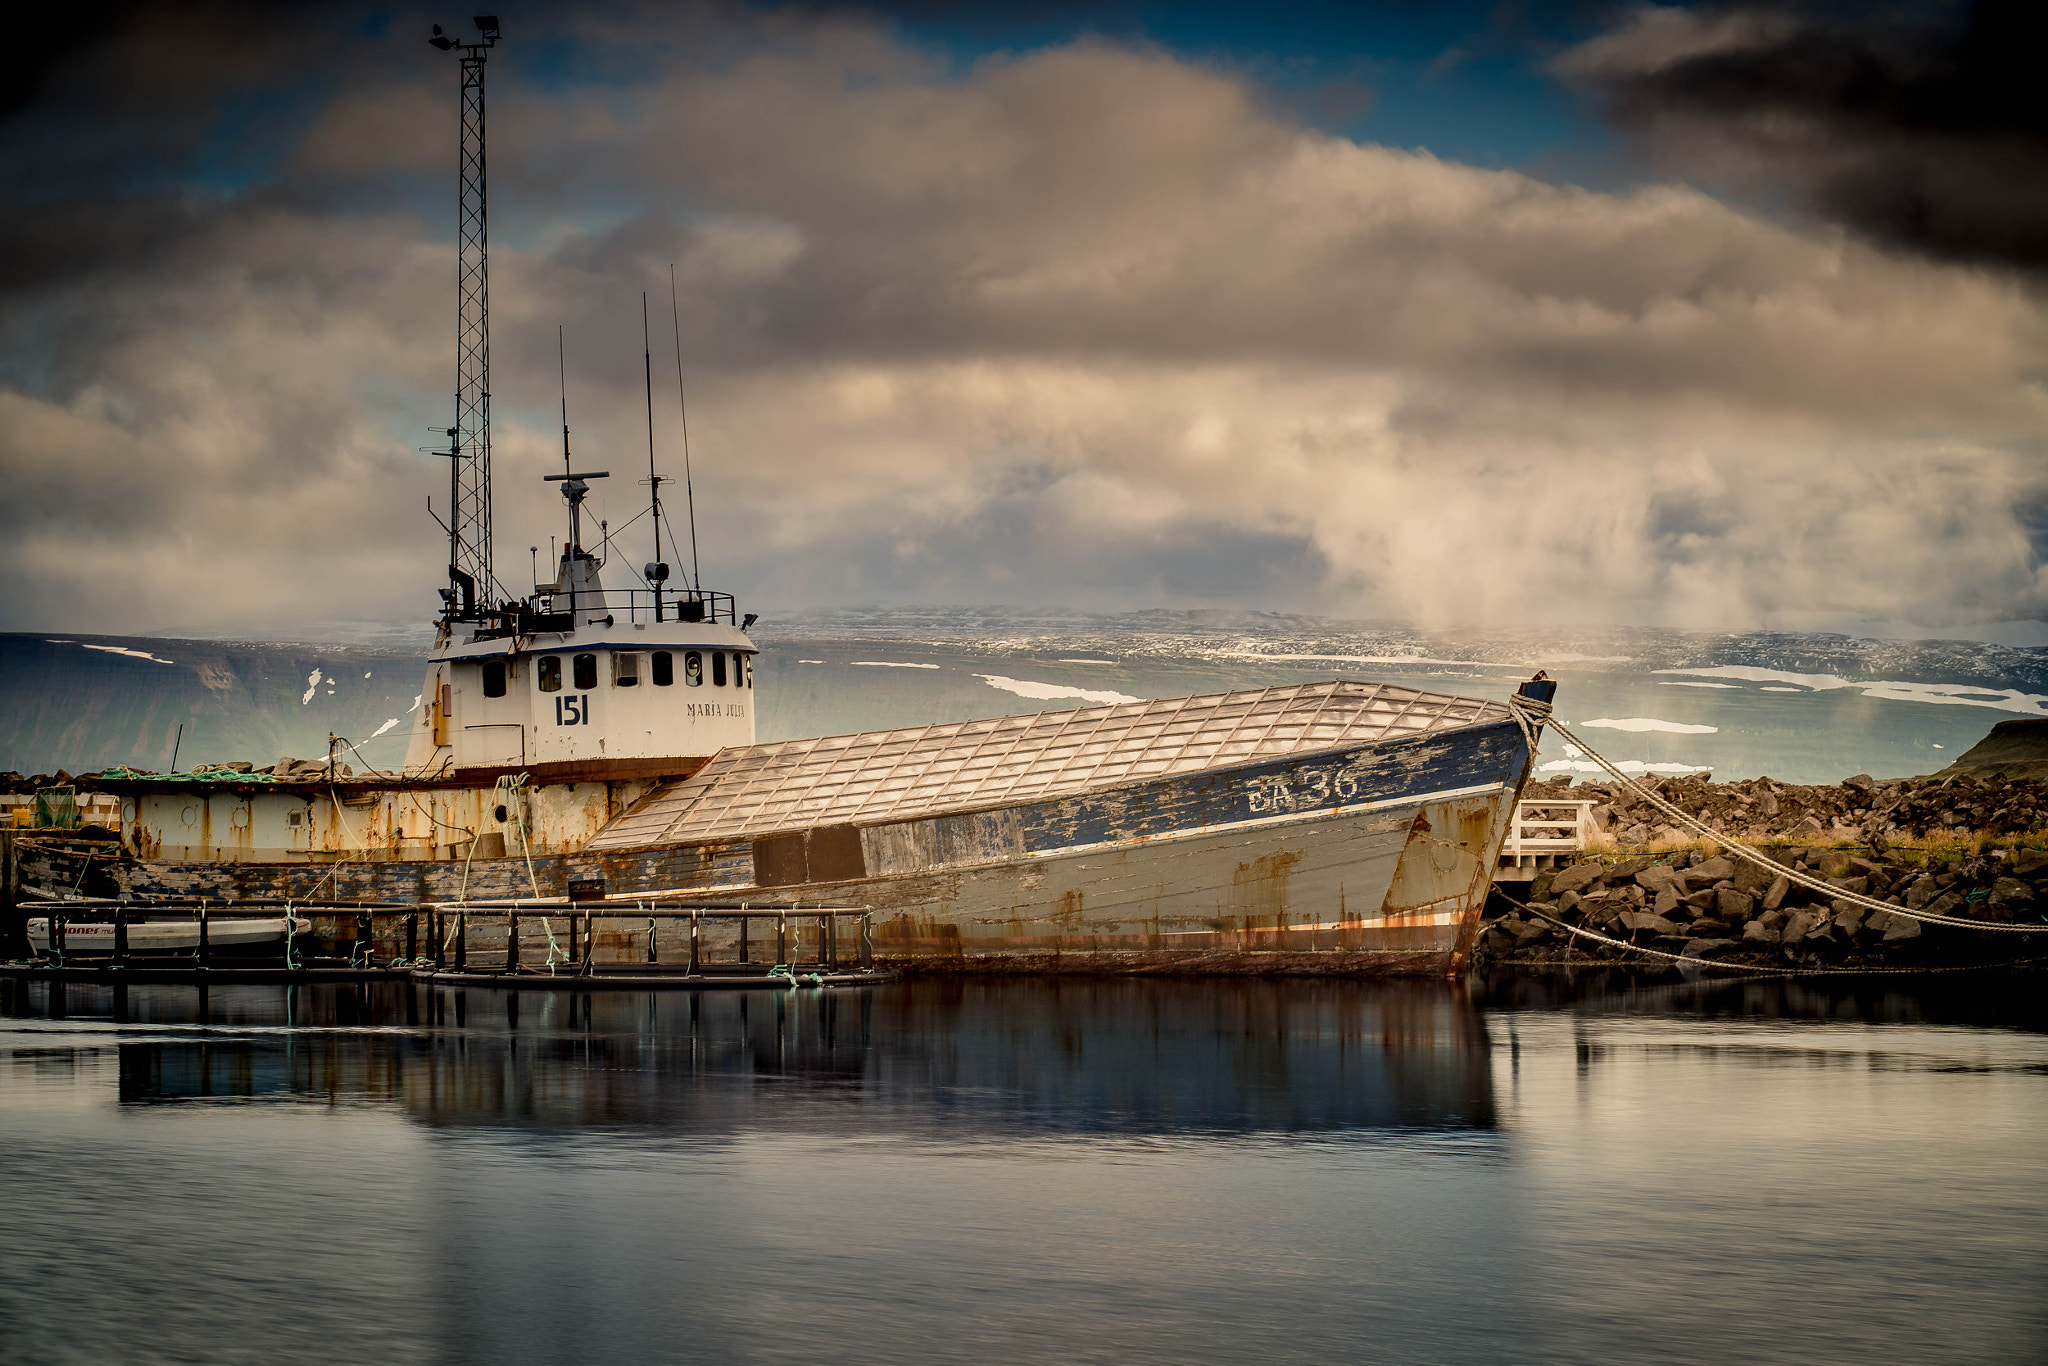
(1131,1057)
(1136,1171)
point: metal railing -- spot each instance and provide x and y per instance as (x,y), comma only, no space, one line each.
(638,604)
(1543,827)
(508,937)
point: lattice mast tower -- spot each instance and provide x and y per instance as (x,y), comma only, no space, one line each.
(472,584)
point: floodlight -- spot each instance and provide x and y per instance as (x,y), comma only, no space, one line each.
(441,40)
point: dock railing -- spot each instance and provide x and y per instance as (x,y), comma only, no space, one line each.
(1545,831)
(553,937)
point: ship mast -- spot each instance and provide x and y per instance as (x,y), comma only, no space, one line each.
(471,582)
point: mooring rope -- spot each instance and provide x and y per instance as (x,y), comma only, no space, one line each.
(1762,969)
(1762,860)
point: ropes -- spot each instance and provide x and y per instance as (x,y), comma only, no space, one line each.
(1743,851)
(1759,968)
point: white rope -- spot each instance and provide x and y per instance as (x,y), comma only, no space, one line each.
(1767,968)
(1798,875)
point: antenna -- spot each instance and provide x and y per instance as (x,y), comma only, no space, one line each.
(657,572)
(689,493)
(469,440)
(562,373)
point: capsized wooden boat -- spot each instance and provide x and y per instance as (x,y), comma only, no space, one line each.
(1338,816)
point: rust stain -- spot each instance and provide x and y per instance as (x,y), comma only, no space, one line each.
(1259,888)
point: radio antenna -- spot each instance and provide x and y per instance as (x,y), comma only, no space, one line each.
(657,572)
(689,493)
(562,374)
(470,570)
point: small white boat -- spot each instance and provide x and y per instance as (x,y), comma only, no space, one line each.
(161,936)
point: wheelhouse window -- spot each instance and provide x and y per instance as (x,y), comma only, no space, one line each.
(494,678)
(625,669)
(693,669)
(549,673)
(664,669)
(746,662)
(718,668)
(586,672)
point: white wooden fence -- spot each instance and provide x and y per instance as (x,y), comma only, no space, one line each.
(1546,832)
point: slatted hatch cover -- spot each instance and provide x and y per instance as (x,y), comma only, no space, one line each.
(888,775)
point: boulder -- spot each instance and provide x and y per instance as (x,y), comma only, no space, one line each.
(1642,922)
(1757,932)
(1576,878)
(1847,916)
(1753,878)
(1799,926)
(1627,868)
(1829,863)
(1667,901)
(1775,897)
(1707,948)
(1807,828)
(1900,927)
(2010,891)
(1712,871)
(1858,886)
(1922,890)
(1730,904)
(1657,877)
(2028,862)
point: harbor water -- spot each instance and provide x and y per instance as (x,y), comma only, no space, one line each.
(1034,1170)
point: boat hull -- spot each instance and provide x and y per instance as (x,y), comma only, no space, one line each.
(178,936)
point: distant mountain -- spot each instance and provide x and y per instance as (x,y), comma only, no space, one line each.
(81,703)
(1805,707)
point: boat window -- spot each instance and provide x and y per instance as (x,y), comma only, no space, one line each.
(749,661)
(718,668)
(549,674)
(625,669)
(693,669)
(586,672)
(664,669)
(494,678)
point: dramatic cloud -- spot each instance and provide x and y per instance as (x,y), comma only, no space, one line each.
(1087,324)
(1924,129)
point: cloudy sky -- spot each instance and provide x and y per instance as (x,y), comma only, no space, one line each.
(1693,316)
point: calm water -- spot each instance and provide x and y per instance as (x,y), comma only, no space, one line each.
(1032,1171)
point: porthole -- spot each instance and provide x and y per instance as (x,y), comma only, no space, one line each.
(549,673)
(586,672)
(494,678)
(664,669)
(693,669)
(718,668)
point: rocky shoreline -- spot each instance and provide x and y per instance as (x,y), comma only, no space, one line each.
(1861,810)
(1706,906)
